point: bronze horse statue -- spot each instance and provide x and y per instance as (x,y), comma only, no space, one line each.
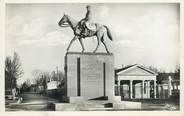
(100,31)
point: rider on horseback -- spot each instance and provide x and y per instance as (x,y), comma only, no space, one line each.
(86,24)
(85,28)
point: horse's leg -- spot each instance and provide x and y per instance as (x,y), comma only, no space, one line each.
(98,43)
(104,43)
(75,37)
(80,40)
(98,36)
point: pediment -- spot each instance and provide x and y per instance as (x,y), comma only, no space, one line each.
(135,71)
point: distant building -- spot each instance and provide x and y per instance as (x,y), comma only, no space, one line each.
(53,85)
(135,82)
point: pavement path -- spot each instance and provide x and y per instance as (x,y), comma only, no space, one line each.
(35,98)
(31,102)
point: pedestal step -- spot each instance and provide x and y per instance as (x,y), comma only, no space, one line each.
(63,106)
(90,106)
(74,100)
(96,105)
(75,107)
(127,105)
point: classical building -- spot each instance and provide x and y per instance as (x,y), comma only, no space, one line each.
(135,82)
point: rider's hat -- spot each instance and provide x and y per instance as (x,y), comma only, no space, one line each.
(88,6)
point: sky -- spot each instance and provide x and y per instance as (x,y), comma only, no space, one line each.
(143,33)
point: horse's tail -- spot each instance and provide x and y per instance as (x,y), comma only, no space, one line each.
(108,33)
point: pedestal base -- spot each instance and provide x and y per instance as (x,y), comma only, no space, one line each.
(74,100)
(96,105)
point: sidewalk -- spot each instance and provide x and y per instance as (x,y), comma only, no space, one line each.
(31,102)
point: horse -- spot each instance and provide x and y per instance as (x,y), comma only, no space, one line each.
(101,30)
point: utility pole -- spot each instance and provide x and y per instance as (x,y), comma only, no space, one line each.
(57,73)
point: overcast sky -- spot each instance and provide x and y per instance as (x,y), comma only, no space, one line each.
(146,34)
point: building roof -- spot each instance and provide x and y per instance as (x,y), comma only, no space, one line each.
(123,69)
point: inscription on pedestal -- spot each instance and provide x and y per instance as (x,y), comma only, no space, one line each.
(78,77)
(89,75)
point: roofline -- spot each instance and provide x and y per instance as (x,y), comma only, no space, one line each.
(144,68)
(148,70)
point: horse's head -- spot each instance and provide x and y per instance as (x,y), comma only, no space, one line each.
(64,21)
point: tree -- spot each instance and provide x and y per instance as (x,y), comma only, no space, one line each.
(26,85)
(17,66)
(44,84)
(37,74)
(153,69)
(13,71)
(61,76)
(177,73)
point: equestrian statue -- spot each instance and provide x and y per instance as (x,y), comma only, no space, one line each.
(86,28)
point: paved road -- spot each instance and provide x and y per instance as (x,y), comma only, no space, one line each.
(36,98)
(38,102)
(31,102)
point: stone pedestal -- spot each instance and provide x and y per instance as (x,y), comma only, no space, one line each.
(89,75)
(89,84)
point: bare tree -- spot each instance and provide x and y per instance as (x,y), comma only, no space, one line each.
(37,74)
(13,70)
(17,66)
(177,72)
(153,69)
(26,85)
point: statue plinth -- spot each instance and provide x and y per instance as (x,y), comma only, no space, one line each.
(89,75)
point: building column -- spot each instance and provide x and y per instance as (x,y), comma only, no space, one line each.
(118,86)
(148,89)
(155,89)
(131,89)
(169,87)
(142,92)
